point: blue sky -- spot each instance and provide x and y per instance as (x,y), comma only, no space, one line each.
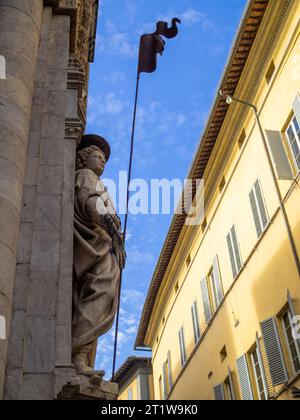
(174,104)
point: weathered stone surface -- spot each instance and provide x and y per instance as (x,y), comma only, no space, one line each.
(45,250)
(31,171)
(7,270)
(19,40)
(13,390)
(63,345)
(24,243)
(42,294)
(21,287)
(9,223)
(11,192)
(28,204)
(50,179)
(15,347)
(48,212)
(38,387)
(39,345)
(83,388)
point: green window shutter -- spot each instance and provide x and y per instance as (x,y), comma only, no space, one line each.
(219,393)
(274,351)
(255,213)
(217,278)
(279,155)
(296,107)
(231,255)
(244,376)
(261,204)
(205,299)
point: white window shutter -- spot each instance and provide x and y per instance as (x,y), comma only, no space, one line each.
(279,155)
(219,393)
(293,314)
(296,107)
(205,299)
(218,282)
(244,376)
(274,351)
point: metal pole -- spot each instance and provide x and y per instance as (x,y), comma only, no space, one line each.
(282,207)
(126,221)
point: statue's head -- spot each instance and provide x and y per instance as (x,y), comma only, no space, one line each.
(93,152)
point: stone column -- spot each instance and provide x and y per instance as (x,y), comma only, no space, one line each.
(20,24)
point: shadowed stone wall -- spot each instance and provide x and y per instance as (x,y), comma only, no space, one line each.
(47,46)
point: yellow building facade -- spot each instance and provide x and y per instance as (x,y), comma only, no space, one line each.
(221,311)
(135,379)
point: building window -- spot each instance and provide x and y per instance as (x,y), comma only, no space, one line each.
(258,208)
(293,349)
(293,135)
(130,395)
(182,347)
(195,318)
(258,374)
(228,390)
(213,291)
(234,252)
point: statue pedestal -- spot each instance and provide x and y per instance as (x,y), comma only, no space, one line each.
(85,388)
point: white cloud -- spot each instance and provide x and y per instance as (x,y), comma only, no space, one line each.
(117,44)
(112,104)
(131,296)
(191,16)
(115,77)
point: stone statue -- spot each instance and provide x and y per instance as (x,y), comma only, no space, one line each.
(99,254)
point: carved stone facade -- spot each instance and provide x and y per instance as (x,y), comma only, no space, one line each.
(48,46)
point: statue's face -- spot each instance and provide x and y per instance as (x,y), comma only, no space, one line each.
(96,162)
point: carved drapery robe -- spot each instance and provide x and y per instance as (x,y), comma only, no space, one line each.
(96,270)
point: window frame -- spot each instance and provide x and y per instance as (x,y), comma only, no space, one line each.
(130,393)
(297,139)
(287,312)
(255,351)
(230,235)
(253,189)
(196,322)
(183,355)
